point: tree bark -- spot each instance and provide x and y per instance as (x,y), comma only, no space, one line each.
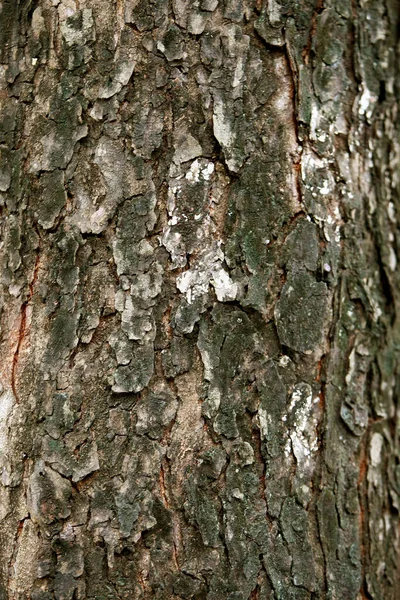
(200,296)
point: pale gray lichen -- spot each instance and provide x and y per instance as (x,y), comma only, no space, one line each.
(207,270)
(77,28)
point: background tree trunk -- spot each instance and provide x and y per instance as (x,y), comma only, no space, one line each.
(200,292)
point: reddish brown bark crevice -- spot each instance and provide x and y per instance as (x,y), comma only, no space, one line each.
(23,329)
(163,490)
(307,49)
(255,594)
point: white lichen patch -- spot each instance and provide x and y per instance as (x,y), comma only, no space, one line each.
(172,241)
(375,454)
(302,438)
(222,125)
(392,259)
(225,288)
(207,364)
(310,163)
(239,72)
(352,367)
(227,130)
(376,449)
(7,402)
(207,270)
(284,361)
(180,189)
(366,102)
(199,171)
(316,174)
(192,232)
(317,129)
(325,188)
(72,35)
(391,211)
(264,422)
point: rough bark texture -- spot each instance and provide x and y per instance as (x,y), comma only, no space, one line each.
(200,295)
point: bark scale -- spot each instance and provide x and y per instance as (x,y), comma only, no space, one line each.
(199,327)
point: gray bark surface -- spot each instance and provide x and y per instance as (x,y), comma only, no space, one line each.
(199,299)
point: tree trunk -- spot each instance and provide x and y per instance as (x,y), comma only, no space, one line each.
(200,296)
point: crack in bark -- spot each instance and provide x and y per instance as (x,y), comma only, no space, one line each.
(313,28)
(22,329)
